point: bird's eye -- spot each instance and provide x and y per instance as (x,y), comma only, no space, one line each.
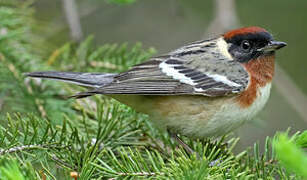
(246,45)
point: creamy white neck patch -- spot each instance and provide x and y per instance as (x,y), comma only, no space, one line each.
(223,47)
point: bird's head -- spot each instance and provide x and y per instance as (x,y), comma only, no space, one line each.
(250,43)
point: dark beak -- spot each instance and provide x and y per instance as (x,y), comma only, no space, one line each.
(273,46)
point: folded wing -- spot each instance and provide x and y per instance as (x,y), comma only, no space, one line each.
(170,75)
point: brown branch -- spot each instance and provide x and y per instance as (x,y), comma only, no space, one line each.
(288,89)
(72,17)
(62,163)
(225,18)
(58,25)
(21,148)
(138,174)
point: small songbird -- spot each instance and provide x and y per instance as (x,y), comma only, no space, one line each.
(203,89)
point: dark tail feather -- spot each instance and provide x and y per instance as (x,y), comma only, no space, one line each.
(94,80)
(83,94)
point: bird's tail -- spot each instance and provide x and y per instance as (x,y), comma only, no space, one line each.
(93,80)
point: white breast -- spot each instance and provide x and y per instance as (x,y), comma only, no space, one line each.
(232,116)
(217,117)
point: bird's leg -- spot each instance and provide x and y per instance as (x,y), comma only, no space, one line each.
(187,148)
(184,145)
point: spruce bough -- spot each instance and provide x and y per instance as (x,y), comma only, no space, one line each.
(99,138)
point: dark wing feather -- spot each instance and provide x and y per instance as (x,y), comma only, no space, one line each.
(149,79)
(148,88)
(198,68)
(146,78)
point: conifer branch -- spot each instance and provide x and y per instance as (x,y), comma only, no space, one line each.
(98,137)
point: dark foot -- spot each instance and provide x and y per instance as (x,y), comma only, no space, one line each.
(184,145)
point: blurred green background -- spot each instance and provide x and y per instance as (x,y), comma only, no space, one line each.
(168,24)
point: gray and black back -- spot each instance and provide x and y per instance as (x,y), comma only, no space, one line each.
(194,69)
